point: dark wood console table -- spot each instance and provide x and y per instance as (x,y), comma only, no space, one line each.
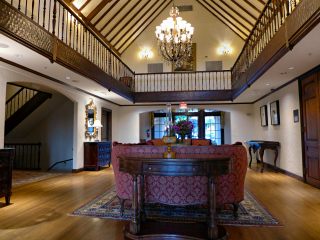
(6,165)
(186,165)
(262,145)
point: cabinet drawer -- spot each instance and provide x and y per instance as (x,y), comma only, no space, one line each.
(179,169)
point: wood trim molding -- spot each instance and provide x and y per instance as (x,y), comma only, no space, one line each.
(243,9)
(79,170)
(135,23)
(137,29)
(120,21)
(280,170)
(133,17)
(98,8)
(223,21)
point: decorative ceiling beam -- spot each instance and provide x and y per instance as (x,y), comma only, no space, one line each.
(251,5)
(88,24)
(133,17)
(117,24)
(235,12)
(114,16)
(103,15)
(84,5)
(262,2)
(97,9)
(226,19)
(243,9)
(226,12)
(133,25)
(223,22)
(142,25)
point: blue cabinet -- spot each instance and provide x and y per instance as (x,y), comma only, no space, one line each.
(97,155)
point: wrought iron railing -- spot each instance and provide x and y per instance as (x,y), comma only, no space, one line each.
(21,97)
(27,155)
(183,81)
(270,20)
(56,17)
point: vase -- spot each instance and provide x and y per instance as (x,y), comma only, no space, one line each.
(182,138)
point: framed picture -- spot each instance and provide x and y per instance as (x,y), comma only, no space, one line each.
(296,115)
(275,113)
(188,64)
(264,116)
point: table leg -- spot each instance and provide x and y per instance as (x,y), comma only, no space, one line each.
(135,222)
(261,151)
(250,153)
(143,216)
(212,225)
(275,149)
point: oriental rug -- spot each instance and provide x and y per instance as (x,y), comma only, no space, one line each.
(251,212)
(20,177)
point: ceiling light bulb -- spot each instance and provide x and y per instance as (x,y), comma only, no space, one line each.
(291,67)
(67,77)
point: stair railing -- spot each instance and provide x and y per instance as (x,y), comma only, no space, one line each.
(18,100)
(59,19)
(64,161)
(26,156)
(272,17)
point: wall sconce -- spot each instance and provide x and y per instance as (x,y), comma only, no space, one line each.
(224,50)
(145,54)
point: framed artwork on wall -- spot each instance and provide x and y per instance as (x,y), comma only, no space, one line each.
(275,113)
(264,116)
(188,64)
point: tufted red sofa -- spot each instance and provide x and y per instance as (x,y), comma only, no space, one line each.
(184,190)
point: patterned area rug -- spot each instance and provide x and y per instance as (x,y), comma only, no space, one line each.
(251,212)
(20,177)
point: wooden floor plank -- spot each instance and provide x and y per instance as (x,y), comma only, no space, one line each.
(39,210)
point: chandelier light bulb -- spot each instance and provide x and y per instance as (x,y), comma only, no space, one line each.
(174,37)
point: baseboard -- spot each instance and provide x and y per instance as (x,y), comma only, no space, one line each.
(77,170)
(290,174)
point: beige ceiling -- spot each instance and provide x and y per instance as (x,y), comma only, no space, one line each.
(120,22)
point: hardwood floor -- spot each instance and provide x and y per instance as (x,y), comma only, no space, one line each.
(39,210)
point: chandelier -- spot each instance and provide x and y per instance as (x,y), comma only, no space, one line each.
(174,38)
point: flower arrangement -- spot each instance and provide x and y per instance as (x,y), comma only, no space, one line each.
(183,127)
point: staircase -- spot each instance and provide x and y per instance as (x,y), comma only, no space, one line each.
(21,105)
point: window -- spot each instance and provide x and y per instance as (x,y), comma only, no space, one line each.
(213,129)
(159,126)
(206,124)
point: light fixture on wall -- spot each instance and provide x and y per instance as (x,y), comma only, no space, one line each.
(97,124)
(183,106)
(224,50)
(145,54)
(174,37)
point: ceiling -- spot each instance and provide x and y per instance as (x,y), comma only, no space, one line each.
(120,22)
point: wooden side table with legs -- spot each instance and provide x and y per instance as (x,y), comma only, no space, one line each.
(193,165)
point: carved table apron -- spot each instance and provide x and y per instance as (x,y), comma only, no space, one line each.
(262,145)
(211,166)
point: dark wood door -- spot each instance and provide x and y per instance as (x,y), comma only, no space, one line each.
(310,100)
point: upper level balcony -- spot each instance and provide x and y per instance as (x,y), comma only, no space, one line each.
(52,29)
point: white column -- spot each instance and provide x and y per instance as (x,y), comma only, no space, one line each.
(3,87)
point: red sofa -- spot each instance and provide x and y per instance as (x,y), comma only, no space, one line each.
(184,190)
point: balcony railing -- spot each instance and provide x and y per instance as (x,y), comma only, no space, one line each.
(56,17)
(270,20)
(183,81)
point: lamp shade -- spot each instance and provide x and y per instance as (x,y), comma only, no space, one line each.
(97,123)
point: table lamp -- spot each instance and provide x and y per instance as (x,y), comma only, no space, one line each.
(97,124)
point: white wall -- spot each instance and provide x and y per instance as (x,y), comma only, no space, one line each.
(209,34)
(288,133)
(11,74)
(238,127)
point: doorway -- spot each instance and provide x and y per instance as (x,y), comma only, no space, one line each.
(106,121)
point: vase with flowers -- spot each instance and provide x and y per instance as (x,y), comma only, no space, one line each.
(183,128)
